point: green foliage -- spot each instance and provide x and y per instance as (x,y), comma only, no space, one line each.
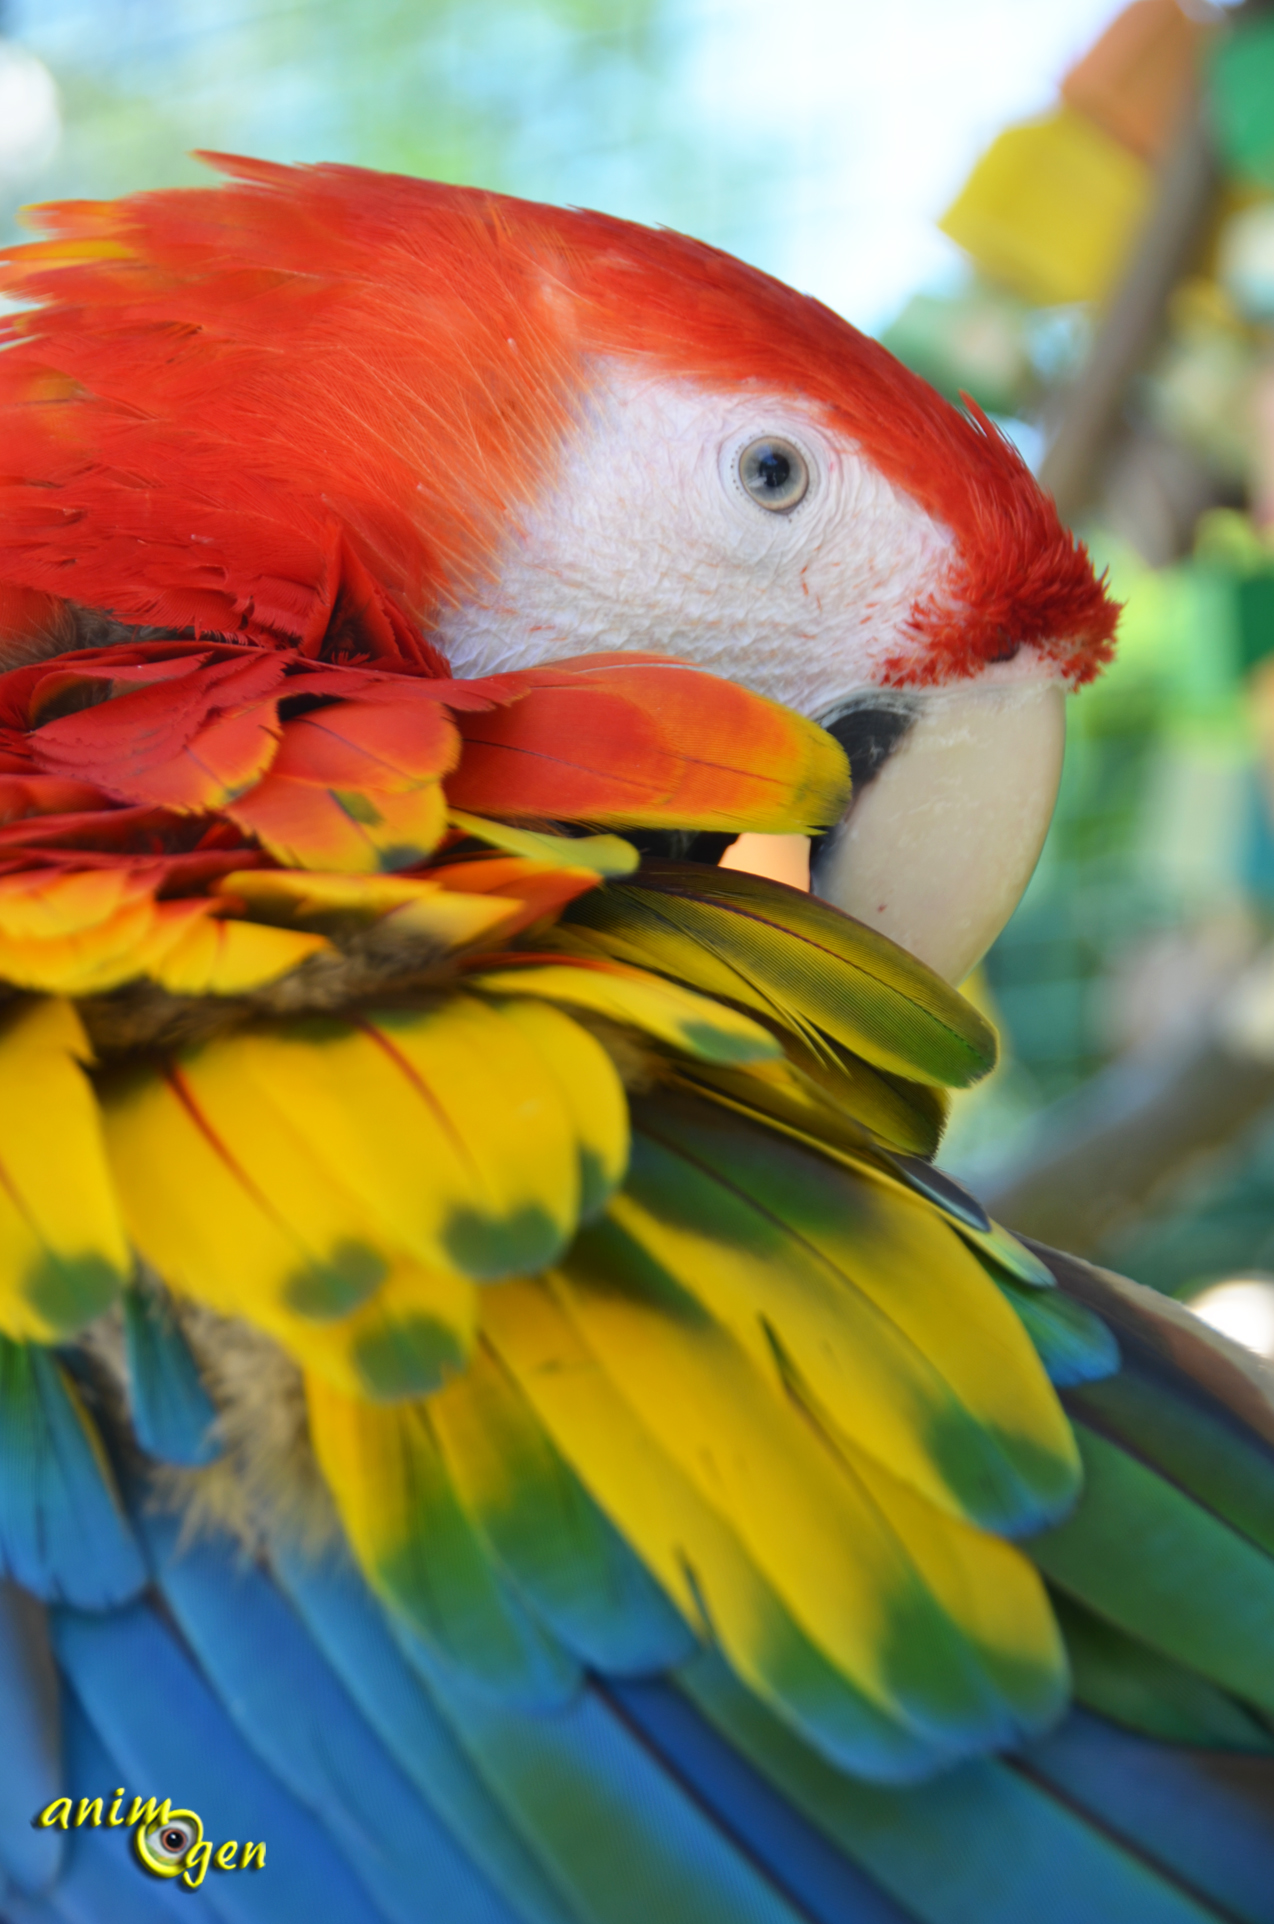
(1242,82)
(975,342)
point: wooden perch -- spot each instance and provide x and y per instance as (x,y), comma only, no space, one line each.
(1089,410)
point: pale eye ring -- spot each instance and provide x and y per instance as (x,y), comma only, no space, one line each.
(774,473)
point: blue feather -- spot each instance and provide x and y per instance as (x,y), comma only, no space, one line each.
(63,1532)
(1207,1815)
(983,1844)
(299,1719)
(171,1738)
(348,1623)
(173,1414)
(602,1603)
(17,1909)
(1073,1344)
(103,1880)
(611,1823)
(30,1747)
(805,1864)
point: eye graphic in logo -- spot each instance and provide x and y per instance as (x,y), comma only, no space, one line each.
(165,1845)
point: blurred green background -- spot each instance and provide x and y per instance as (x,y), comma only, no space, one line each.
(825,142)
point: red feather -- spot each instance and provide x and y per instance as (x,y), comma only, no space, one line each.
(176,756)
(302,408)
(189,735)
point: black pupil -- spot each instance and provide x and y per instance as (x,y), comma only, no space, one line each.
(773,470)
(174,1839)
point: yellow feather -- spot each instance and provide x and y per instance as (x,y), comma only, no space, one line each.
(41,906)
(782,1095)
(440,1133)
(987,1586)
(84,933)
(413,1334)
(488,1177)
(604,854)
(372,1321)
(74,934)
(905,1342)
(344,904)
(211,956)
(591,1091)
(421,1551)
(542,1526)
(225,1200)
(690,1023)
(686,1544)
(63,1253)
(336,1183)
(811,1521)
(400,828)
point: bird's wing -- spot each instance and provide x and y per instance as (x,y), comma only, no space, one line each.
(496,1402)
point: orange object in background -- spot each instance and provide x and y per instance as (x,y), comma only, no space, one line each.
(1054,205)
(1134,82)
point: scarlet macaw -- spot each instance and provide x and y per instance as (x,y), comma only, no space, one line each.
(497,1403)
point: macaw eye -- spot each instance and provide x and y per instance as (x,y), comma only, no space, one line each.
(774,473)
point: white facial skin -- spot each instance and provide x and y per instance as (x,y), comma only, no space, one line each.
(647,540)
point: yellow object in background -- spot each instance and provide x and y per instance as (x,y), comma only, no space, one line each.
(1052,208)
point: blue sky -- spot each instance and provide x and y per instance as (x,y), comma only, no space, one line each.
(817,138)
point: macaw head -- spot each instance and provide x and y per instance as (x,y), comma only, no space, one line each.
(330,408)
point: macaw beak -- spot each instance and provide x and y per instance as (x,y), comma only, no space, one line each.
(953,793)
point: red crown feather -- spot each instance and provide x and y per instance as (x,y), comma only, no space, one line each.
(299,409)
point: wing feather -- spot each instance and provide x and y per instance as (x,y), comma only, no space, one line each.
(791,958)
(63,1253)
(420,1549)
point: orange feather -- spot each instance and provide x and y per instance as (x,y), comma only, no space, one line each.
(621,739)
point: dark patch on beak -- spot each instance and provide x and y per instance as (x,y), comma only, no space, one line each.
(869,729)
